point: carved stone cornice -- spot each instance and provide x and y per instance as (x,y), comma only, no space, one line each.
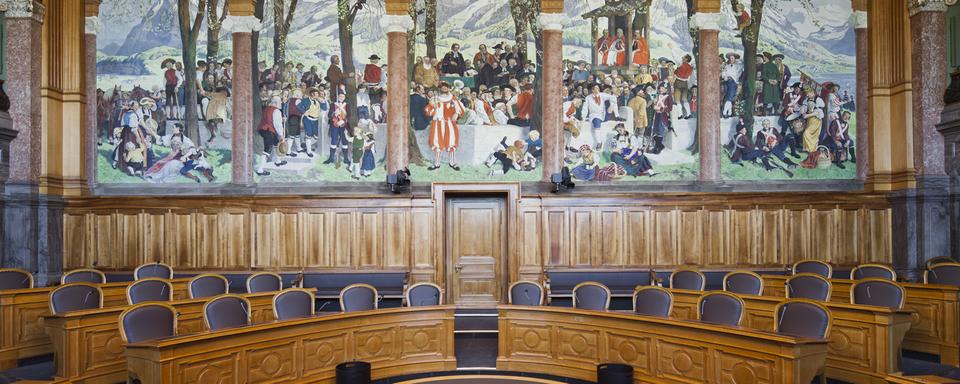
(552,21)
(23,9)
(917,6)
(241,24)
(396,23)
(705,21)
(92,25)
(859,19)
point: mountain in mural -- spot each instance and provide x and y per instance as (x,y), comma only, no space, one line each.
(158,27)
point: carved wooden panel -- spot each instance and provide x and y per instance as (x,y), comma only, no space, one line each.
(851,343)
(681,362)
(714,249)
(556,238)
(422,340)
(322,352)
(396,236)
(375,344)
(271,363)
(741,368)
(179,229)
(632,350)
(578,344)
(636,238)
(313,236)
(664,238)
(369,238)
(530,340)
(584,237)
(213,368)
(103,347)
(342,227)
(690,237)
(609,238)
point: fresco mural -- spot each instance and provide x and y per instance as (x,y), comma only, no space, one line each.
(631,110)
(788,88)
(147,132)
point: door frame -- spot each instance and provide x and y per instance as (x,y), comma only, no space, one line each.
(508,262)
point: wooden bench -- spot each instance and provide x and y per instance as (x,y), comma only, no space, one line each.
(21,332)
(570,343)
(396,341)
(865,340)
(88,347)
(935,327)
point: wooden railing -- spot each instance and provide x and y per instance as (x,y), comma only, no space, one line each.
(21,332)
(935,326)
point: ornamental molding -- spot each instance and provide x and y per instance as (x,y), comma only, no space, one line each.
(858,19)
(396,23)
(23,9)
(552,21)
(917,6)
(92,25)
(705,21)
(242,24)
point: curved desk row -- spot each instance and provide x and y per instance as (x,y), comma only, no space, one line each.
(865,340)
(21,332)
(88,347)
(934,329)
(556,341)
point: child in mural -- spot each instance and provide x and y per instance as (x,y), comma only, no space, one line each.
(444,132)
(369,159)
(339,130)
(513,156)
(681,86)
(742,18)
(170,89)
(356,150)
(588,166)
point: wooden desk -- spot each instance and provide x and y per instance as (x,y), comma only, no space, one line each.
(21,333)
(864,340)
(88,347)
(396,341)
(570,343)
(935,326)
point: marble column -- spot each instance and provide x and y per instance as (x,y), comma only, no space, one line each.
(921,214)
(398,93)
(242,28)
(91,138)
(32,222)
(859,21)
(708,104)
(552,92)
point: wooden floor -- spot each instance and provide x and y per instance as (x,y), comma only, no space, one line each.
(480,379)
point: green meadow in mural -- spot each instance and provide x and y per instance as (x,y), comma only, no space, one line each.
(788,90)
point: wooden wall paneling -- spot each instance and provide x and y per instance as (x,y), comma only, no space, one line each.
(584,235)
(290,257)
(180,228)
(423,241)
(879,242)
(767,232)
(106,249)
(154,236)
(235,239)
(690,236)
(208,239)
(314,238)
(396,238)
(849,242)
(266,238)
(740,227)
(368,235)
(716,224)
(795,235)
(665,239)
(532,258)
(609,238)
(636,233)
(556,237)
(130,232)
(341,228)
(75,252)
(824,227)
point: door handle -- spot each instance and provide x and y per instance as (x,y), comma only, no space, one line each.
(458,268)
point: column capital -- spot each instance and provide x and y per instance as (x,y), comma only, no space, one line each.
(859,19)
(92,25)
(917,6)
(551,6)
(241,24)
(23,9)
(397,7)
(705,20)
(241,7)
(552,21)
(91,8)
(396,23)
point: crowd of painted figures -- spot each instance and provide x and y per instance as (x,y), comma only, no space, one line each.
(803,120)
(145,127)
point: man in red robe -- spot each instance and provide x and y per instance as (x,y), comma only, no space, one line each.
(444,131)
(373,77)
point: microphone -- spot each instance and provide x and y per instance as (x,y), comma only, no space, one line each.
(868,293)
(87,297)
(527,296)
(322,306)
(780,320)
(163,289)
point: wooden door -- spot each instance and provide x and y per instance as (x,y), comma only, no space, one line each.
(475,234)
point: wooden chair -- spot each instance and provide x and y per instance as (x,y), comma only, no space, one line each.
(264,282)
(652,301)
(148,321)
(75,297)
(157,269)
(84,275)
(294,303)
(591,295)
(149,289)
(526,293)
(226,311)
(359,297)
(423,294)
(720,307)
(743,283)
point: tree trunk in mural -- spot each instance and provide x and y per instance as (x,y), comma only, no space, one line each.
(258,12)
(281,25)
(430,27)
(533,21)
(189,32)
(641,19)
(694,34)
(521,10)
(750,38)
(346,14)
(214,26)
(413,150)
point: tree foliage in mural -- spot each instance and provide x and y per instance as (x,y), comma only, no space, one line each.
(282,18)
(216,14)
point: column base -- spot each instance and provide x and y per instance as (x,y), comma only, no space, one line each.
(922,221)
(32,232)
